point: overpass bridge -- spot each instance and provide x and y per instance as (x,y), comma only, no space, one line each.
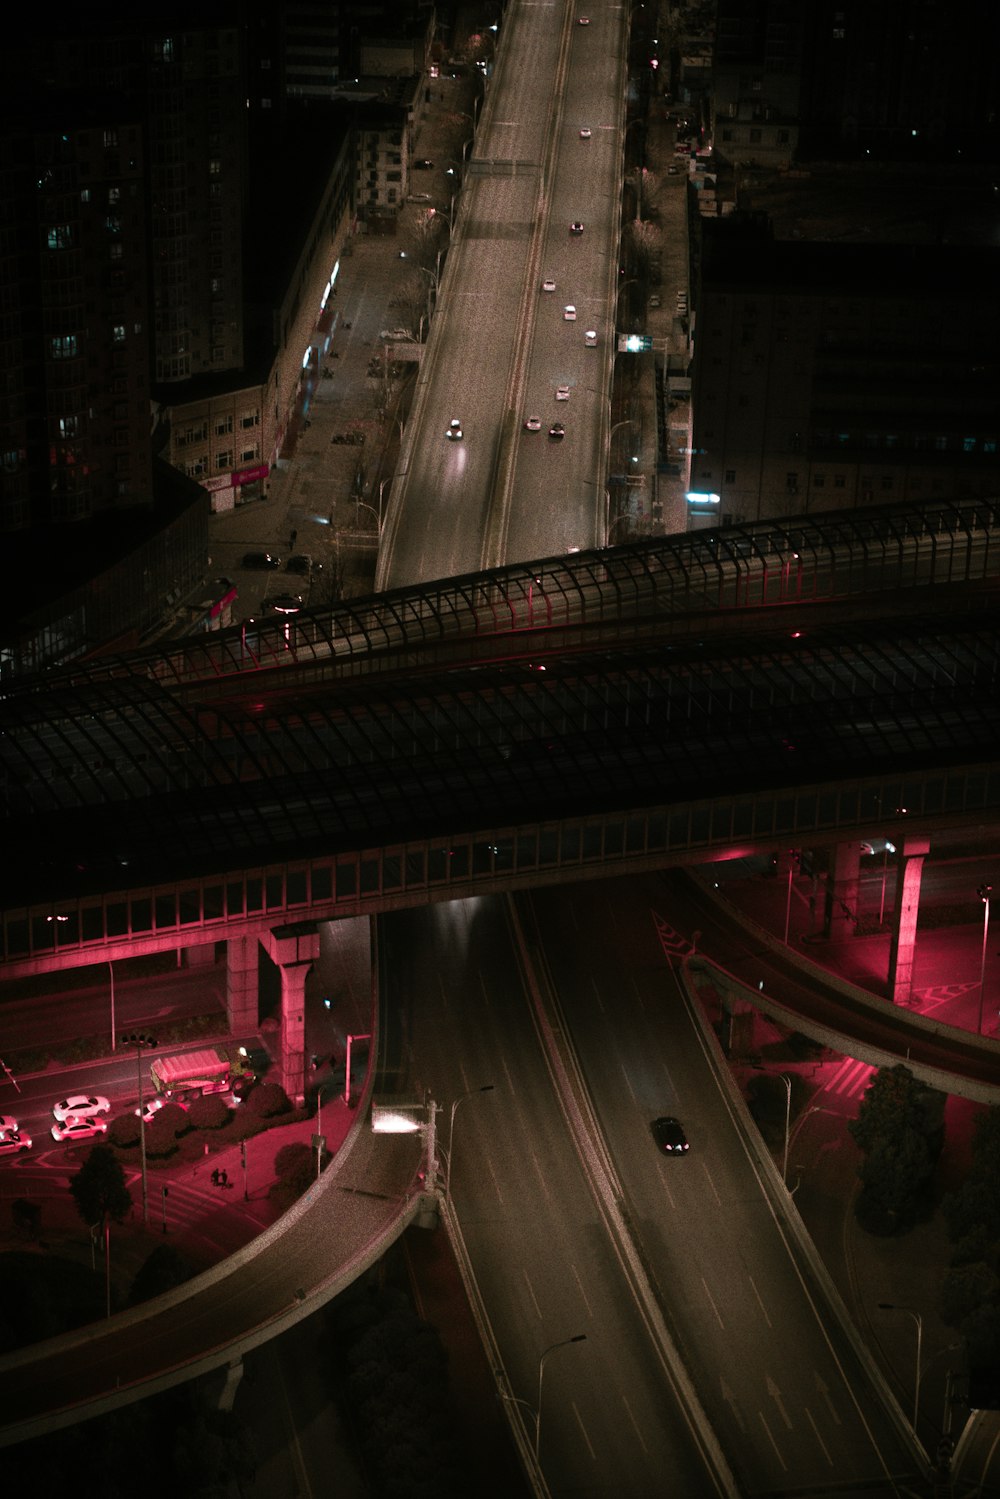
(643,707)
(779,684)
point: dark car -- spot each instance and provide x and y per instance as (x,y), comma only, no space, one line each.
(302,564)
(285,603)
(261,561)
(424,164)
(557,430)
(669,1135)
(576,227)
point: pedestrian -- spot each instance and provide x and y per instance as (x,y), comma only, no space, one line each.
(215,1177)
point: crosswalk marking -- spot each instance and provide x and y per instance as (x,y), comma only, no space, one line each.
(850,1079)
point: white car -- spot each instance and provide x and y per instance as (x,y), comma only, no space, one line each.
(81,1106)
(562,392)
(585,133)
(154,1106)
(79,1129)
(569,313)
(13,1141)
(454,430)
(548,284)
(590,338)
(8,1126)
(533,424)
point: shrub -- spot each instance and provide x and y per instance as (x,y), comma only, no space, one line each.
(123,1130)
(266,1101)
(209,1112)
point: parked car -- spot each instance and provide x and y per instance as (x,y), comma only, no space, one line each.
(285,603)
(79,1129)
(261,561)
(81,1106)
(303,564)
(13,1142)
(8,1125)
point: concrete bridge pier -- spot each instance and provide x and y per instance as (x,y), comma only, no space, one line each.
(293,949)
(842,888)
(904,919)
(241,986)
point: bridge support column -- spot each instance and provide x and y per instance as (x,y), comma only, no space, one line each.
(294,949)
(904,919)
(234,1374)
(842,891)
(241,986)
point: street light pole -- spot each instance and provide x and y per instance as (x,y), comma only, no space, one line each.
(892,1306)
(788,1113)
(486,1088)
(141,1042)
(111,970)
(581,1337)
(984,892)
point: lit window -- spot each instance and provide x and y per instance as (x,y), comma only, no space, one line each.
(118,333)
(64,346)
(58,237)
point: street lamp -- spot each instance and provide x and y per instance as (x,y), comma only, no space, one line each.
(581,1337)
(788,1112)
(486,1088)
(891,1306)
(319,1125)
(141,1043)
(984,892)
(363,505)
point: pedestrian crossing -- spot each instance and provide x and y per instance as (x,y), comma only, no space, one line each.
(849,1079)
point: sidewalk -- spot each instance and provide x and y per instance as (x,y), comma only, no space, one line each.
(329,495)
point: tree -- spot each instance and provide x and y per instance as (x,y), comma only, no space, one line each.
(899,1128)
(99,1189)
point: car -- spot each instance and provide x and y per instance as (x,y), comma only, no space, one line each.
(569,313)
(590,338)
(583,21)
(673,171)
(13,1141)
(418,198)
(576,227)
(533,424)
(81,1106)
(548,284)
(261,561)
(303,564)
(654,301)
(669,1135)
(285,603)
(424,164)
(454,430)
(79,1129)
(562,392)
(557,430)
(8,1125)
(585,133)
(154,1106)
